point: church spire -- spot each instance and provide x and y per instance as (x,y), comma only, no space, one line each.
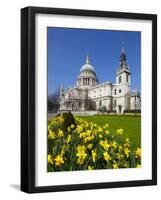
(87,59)
(123,47)
(123,56)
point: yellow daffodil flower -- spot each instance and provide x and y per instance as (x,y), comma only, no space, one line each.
(94,155)
(114,144)
(51,134)
(126,151)
(89,146)
(107,132)
(100,129)
(115,166)
(119,131)
(69,138)
(104,144)
(50,161)
(72,126)
(90,168)
(138,153)
(60,133)
(106,156)
(81,154)
(59,160)
(138,166)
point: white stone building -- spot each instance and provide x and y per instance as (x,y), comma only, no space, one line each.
(88,94)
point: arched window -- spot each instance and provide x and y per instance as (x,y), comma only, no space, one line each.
(115,92)
(100,103)
(115,103)
(127,78)
(119,79)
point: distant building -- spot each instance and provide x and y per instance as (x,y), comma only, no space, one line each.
(88,94)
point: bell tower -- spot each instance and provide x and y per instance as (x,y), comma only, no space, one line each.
(123,72)
(123,82)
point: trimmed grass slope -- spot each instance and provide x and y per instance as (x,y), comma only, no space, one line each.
(130,124)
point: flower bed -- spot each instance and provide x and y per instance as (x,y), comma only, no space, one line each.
(88,146)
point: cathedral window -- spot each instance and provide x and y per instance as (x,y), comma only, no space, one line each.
(80,104)
(127,78)
(119,90)
(115,92)
(100,103)
(119,79)
(115,103)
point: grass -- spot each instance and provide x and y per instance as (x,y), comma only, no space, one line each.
(130,124)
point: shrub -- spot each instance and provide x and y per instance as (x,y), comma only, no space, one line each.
(103,109)
(68,120)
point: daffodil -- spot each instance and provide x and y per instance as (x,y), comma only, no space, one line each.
(60,133)
(127,140)
(115,166)
(49,127)
(88,132)
(107,132)
(50,161)
(90,168)
(89,138)
(120,148)
(106,156)
(100,129)
(138,153)
(138,166)
(126,151)
(79,128)
(81,154)
(59,160)
(89,146)
(51,134)
(119,131)
(63,150)
(100,136)
(106,125)
(69,138)
(72,126)
(114,144)
(94,155)
(104,144)
(119,156)
(81,148)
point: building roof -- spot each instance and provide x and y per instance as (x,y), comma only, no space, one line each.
(87,66)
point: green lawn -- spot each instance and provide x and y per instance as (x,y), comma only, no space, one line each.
(130,124)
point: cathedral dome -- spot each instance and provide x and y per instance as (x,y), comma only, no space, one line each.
(87,66)
(87,77)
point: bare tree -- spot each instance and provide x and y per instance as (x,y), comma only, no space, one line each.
(53,100)
(89,104)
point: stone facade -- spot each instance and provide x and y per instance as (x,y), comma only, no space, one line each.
(88,94)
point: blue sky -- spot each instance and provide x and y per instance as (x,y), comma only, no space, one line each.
(67,49)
